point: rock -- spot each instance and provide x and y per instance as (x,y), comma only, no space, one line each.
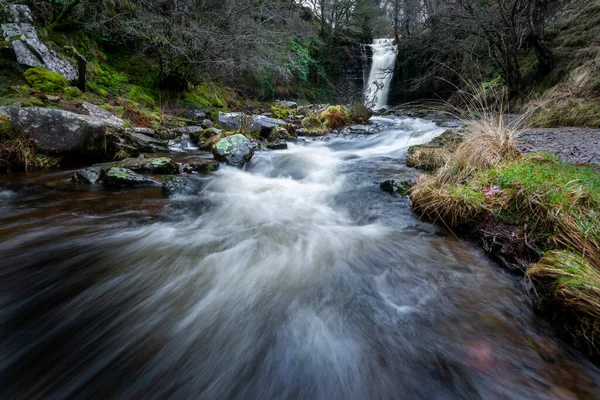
(206,138)
(144,143)
(181,185)
(18,28)
(207,124)
(158,166)
(198,115)
(278,134)
(235,150)
(60,132)
(103,117)
(278,145)
(144,131)
(130,150)
(230,121)
(117,177)
(91,175)
(448,140)
(360,129)
(264,125)
(401,187)
(288,104)
(201,165)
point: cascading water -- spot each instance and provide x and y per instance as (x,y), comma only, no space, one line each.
(382,71)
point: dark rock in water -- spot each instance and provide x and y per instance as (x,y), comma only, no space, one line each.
(230,121)
(145,143)
(117,177)
(235,150)
(130,150)
(401,187)
(361,129)
(61,132)
(201,165)
(159,166)
(181,185)
(205,138)
(278,145)
(91,175)
(278,134)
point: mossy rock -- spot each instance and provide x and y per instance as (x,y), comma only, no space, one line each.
(45,80)
(72,93)
(118,177)
(6,129)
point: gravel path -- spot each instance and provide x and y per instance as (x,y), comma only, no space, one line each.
(572,145)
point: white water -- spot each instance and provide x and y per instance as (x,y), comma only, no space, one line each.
(382,71)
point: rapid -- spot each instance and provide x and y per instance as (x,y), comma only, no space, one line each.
(296,278)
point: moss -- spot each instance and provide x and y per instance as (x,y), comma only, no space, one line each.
(6,129)
(33,102)
(72,93)
(282,112)
(104,79)
(139,96)
(45,80)
(207,95)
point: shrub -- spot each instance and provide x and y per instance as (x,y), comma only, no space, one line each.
(335,117)
(45,80)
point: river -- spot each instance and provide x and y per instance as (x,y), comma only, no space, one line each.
(297,278)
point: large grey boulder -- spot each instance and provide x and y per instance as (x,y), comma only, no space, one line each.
(60,132)
(104,117)
(231,121)
(17,27)
(265,125)
(235,150)
(145,143)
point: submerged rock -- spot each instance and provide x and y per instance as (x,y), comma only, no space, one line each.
(277,145)
(181,185)
(393,186)
(235,150)
(117,177)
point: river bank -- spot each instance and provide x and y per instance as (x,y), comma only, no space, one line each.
(531,202)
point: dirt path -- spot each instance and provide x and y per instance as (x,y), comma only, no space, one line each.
(572,145)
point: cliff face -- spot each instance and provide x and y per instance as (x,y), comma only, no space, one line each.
(356,63)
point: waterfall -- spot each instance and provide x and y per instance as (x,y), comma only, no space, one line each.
(378,85)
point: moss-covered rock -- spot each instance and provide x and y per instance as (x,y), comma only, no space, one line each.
(236,150)
(118,177)
(45,80)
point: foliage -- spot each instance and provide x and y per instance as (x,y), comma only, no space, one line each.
(21,154)
(282,112)
(210,94)
(72,93)
(44,80)
(335,117)
(104,79)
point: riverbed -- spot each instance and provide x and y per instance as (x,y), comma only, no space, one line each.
(296,278)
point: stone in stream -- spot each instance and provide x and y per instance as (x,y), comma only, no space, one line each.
(117,177)
(235,150)
(393,186)
(181,185)
(278,134)
(145,143)
(157,166)
(277,145)
(231,121)
(265,125)
(200,165)
(91,175)
(205,138)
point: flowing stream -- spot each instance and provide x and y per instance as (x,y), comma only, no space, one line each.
(379,82)
(297,278)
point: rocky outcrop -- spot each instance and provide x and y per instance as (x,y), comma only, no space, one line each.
(234,150)
(61,132)
(17,28)
(117,177)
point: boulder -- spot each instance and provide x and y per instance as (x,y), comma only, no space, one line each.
(278,134)
(206,138)
(130,150)
(230,121)
(117,177)
(61,132)
(17,27)
(207,124)
(264,125)
(101,116)
(200,165)
(91,175)
(144,131)
(157,166)
(235,150)
(145,143)
(181,185)
(288,104)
